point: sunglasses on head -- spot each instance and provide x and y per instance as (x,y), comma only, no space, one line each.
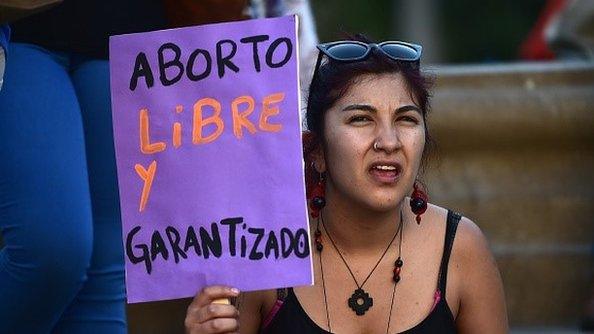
(347,51)
(350,51)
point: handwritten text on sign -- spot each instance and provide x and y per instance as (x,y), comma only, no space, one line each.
(208,148)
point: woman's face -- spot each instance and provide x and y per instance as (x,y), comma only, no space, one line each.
(376,109)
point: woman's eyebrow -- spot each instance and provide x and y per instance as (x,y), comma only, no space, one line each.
(364,107)
(408,108)
(367,107)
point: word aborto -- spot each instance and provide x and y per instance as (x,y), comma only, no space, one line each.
(172,63)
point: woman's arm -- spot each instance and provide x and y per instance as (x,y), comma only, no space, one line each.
(253,307)
(482,300)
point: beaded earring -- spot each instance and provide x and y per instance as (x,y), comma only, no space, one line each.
(318,199)
(316,204)
(418,201)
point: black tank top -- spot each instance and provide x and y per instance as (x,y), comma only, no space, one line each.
(291,318)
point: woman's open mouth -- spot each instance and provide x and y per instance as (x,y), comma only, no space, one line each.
(385,172)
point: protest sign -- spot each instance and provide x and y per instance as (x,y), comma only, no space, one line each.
(208,147)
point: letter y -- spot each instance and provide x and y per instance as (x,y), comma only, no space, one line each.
(147,175)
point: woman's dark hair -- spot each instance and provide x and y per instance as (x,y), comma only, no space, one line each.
(334,78)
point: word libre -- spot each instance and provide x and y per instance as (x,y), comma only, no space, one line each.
(241,108)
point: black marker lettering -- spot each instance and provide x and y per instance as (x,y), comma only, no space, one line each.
(163,65)
(254,254)
(232,222)
(145,252)
(142,69)
(286,242)
(211,244)
(225,61)
(243,246)
(192,60)
(255,40)
(192,241)
(271,245)
(301,239)
(158,246)
(173,237)
(273,47)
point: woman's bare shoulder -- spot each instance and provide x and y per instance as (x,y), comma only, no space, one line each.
(482,301)
(471,245)
(470,242)
(469,236)
(434,219)
(475,279)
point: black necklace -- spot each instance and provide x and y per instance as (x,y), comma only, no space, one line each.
(360,301)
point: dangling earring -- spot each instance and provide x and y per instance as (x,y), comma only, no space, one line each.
(318,199)
(418,201)
(317,203)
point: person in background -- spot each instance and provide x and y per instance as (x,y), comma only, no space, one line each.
(62,265)
(308,38)
(4,37)
(564,31)
(11,11)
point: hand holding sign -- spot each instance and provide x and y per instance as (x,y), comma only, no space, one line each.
(208,147)
(205,315)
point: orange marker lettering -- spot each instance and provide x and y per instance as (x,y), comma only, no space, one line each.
(177,128)
(147,175)
(269,108)
(200,122)
(177,134)
(146,146)
(240,118)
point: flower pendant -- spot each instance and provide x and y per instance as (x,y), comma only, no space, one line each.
(360,301)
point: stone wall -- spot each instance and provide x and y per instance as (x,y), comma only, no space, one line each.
(516,151)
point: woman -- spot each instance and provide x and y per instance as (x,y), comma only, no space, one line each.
(385,263)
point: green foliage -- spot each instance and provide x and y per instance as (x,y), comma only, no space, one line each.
(469,30)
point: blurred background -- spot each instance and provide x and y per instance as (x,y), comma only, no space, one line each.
(452,32)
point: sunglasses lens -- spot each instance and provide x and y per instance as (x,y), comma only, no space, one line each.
(400,51)
(347,51)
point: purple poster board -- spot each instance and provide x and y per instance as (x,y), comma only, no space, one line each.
(208,146)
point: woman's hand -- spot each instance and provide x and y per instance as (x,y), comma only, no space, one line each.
(206,315)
